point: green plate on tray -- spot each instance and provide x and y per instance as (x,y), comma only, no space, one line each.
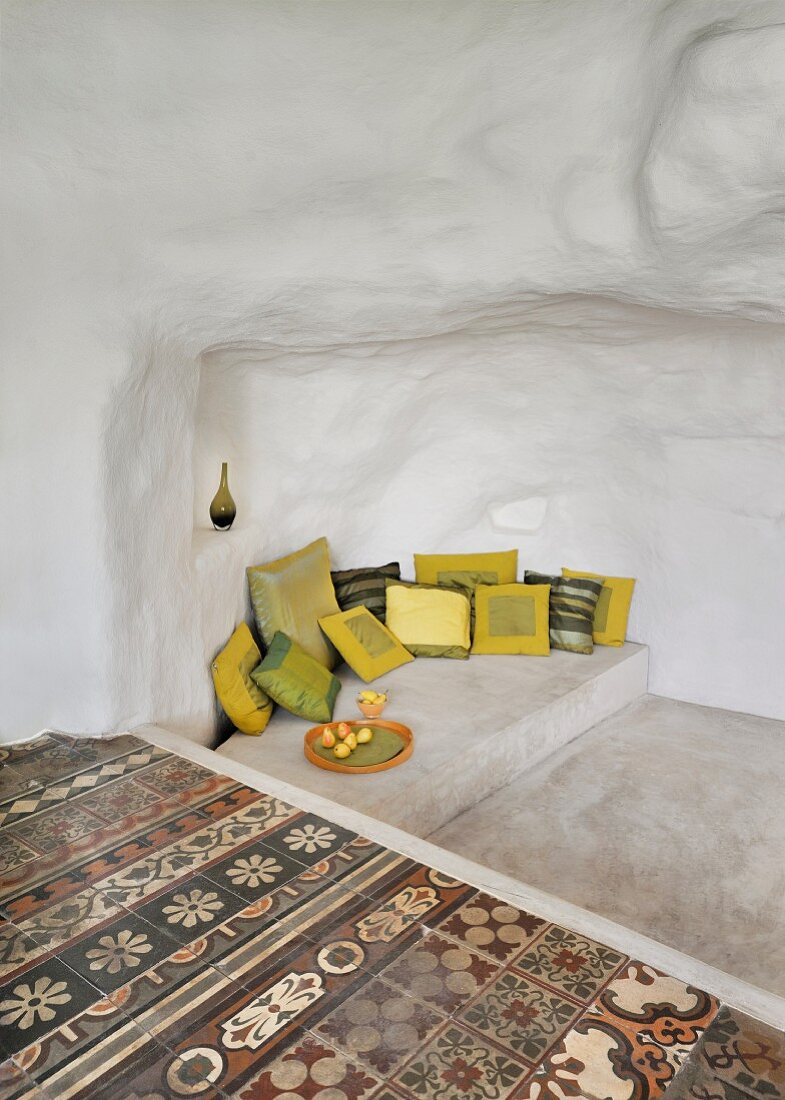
(391,745)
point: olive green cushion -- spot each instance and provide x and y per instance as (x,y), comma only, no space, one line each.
(385,745)
(291,594)
(296,681)
(243,702)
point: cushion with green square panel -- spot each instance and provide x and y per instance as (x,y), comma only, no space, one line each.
(512,618)
(369,648)
(296,681)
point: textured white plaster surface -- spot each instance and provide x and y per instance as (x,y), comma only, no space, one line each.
(416,217)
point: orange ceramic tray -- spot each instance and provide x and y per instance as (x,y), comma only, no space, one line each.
(403,732)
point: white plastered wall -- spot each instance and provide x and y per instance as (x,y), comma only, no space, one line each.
(356,187)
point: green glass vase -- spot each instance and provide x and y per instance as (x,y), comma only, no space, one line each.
(223,509)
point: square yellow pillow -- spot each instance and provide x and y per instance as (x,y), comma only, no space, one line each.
(366,645)
(466,570)
(429,620)
(613,607)
(291,594)
(245,704)
(512,618)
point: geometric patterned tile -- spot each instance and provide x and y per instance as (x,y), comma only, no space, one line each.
(13,855)
(458,1062)
(10,754)
(97,749)
(493,927)
(81,783)
(520,1016)
(379,1026)
(440,973)
(16,1085)
(68,919)
(570,963)
(174,775)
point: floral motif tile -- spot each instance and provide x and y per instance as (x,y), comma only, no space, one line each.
(493,927)
(570,963)
(441,972)
(458,1062)
(254,871)
(42,999)
(379,1026)
(167,931)
(110,956)
(309,839)
(187,911)
(521,1016)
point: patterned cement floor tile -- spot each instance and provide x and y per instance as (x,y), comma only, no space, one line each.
(441,972)
(524,1018)
(738,1058)
(493,927)
(16,1085)
(10,754)
(379,1026)
(458,1062)
(569,963)
(170,932)
(107,958)
(309,839)
(185,912)
(254,871)
(17,950)
(45,997)
(305,1070)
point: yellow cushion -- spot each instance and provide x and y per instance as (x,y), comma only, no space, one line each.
(466,570)
(291,594)
(366,645)
(512,618)
(613,607)
(246,705)
(430,621)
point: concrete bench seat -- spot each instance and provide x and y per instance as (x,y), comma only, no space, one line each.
(477,724)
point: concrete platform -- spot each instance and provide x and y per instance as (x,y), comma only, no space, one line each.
(668,819)
(478,724)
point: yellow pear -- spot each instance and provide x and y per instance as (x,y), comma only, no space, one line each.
(342,750)
(364,736)
(328,739)
(351,741)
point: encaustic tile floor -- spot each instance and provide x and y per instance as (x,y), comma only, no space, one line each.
(169,932)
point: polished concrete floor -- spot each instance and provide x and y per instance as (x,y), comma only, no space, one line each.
(668,818)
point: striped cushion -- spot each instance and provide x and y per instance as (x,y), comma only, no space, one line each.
(572,604)
(365,587)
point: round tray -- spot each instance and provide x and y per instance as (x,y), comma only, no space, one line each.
(336,765)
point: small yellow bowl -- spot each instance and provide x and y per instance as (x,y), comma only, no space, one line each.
(371,710)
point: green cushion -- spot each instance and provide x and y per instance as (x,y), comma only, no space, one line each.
(291,594)
(385,746)
(573,601)
(296,681)
(364,587)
